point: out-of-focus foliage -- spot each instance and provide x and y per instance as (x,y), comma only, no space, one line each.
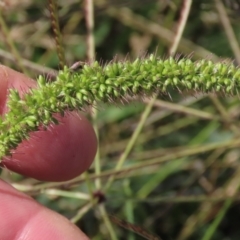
(191,139)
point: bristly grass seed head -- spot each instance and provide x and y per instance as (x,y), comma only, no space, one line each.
(110,83)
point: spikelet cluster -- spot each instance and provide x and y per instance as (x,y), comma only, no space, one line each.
(112,82)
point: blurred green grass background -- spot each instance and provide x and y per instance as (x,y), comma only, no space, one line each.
(180,179)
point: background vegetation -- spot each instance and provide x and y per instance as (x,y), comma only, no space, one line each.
(170,165)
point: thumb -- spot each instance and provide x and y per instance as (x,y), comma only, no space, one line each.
(62,152)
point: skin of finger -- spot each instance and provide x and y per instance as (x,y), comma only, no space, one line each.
(23,218)
(12,79)
(62,152)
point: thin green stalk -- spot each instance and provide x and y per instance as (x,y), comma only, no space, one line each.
(114,82)
(81,212)
(211,230)
(68,194)
(107,222)
(132,141)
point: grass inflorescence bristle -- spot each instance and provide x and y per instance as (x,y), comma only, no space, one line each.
(112,82)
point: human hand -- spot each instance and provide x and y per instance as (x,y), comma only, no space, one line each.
(62,152)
